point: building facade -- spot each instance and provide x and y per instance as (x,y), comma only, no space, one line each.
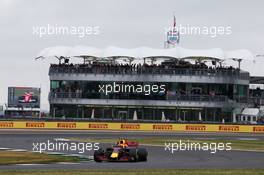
(171,91)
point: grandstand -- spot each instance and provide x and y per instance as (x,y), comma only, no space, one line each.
(196,85)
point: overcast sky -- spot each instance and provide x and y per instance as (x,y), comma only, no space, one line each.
(122,23)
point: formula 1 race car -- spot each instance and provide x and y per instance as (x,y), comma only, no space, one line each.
(123,151)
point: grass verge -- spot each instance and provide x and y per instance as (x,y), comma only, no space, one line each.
(12,157)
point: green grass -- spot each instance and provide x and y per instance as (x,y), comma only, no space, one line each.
(139,172)
(254,145)
(12,157)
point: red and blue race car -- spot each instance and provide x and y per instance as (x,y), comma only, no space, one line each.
(123,151)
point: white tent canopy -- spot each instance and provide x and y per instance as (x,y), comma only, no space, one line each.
(251,111)
(143,52)
(92,115)
(163,117)
(210,53)
(135,116)
(57,51)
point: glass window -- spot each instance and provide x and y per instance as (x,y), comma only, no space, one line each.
(54,84)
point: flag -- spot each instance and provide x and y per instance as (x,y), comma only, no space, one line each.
(173,36)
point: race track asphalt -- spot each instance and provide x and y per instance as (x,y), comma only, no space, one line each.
(158,157)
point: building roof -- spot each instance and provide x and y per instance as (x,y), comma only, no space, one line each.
(257,80)
(144,52)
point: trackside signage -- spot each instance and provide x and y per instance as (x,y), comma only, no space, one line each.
(6,124)
(66,125)
(132,126)
(258,129)
(35,124)
(98,126)
(195,127)
(228,128)
(162,127)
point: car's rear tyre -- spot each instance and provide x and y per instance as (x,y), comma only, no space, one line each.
(133,155)
(142,154)
(97,154)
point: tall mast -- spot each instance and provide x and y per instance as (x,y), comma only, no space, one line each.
(173,36)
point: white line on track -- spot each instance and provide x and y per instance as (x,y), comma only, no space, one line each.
(247,139)
(67,163)
(5,148)
(30,164)
(18,150)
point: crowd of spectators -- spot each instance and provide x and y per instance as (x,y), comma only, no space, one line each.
(179,67)
(166,67)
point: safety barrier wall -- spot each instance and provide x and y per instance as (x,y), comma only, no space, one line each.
(158,127)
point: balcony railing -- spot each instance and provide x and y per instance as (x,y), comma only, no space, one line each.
(196,98)
(235,73)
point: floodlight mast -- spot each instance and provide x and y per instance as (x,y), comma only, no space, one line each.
(239,60)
